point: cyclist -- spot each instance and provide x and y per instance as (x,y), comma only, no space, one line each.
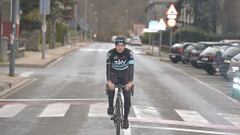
(120,70)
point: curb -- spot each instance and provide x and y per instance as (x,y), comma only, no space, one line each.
(12,89)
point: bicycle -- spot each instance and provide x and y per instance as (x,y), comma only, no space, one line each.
(118,108)
(118,104)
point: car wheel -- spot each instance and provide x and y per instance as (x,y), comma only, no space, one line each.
(185,62)
(211,71)
(226,77)
(174,60)
(194,64)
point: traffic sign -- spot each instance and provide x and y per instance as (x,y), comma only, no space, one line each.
(171,22)
(172,10)
(45,7)
(44,28)
(162,25)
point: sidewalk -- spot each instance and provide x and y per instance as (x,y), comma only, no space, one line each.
(32,60)
(153,50)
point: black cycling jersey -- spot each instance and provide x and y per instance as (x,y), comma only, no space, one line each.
(120,65)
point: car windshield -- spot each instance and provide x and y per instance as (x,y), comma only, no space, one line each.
(211,50)
(200,46)
(232,51)
(178,45)
(237,57)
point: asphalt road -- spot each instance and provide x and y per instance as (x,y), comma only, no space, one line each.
(68,98)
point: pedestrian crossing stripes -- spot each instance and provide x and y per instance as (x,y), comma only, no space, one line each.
(191,117)
(11,110)
(55,110)
(232,118)
(60,109)
(98,110)
(145,112)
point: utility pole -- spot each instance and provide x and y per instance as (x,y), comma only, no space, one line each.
(12,36)
(75,23)
(44,29)
(96,28)
(44,10)
(91,22)
(126,11)
(85,20)
(149,19)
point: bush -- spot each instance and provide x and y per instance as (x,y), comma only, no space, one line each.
(61,30)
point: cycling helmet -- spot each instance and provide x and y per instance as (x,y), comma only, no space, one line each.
(120,40)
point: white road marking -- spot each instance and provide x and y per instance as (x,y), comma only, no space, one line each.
(184,130)
(232,118)
(93,50)
(11,110)
(191,116)
(127,131)
(105,50)
(144,112)
(55,110)
(26,74)
(57,99)
(98,110)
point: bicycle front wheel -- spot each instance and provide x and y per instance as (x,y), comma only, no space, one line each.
(118,118)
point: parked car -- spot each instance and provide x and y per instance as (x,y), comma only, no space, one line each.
(113,38)
(234,67)
(226,58)
(176,51)
(232,41)
(187,53)
(136,40)
(128,41)
(200,47)
(207,59)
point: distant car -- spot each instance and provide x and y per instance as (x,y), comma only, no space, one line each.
(200,47)
(234,67)
(187,53)
(226,59)
(128,41)
(207,59)
(136,40)
(113,38)
(176,51)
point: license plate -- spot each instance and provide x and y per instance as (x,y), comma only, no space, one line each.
(173,56)
(227,61)
(204,59)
